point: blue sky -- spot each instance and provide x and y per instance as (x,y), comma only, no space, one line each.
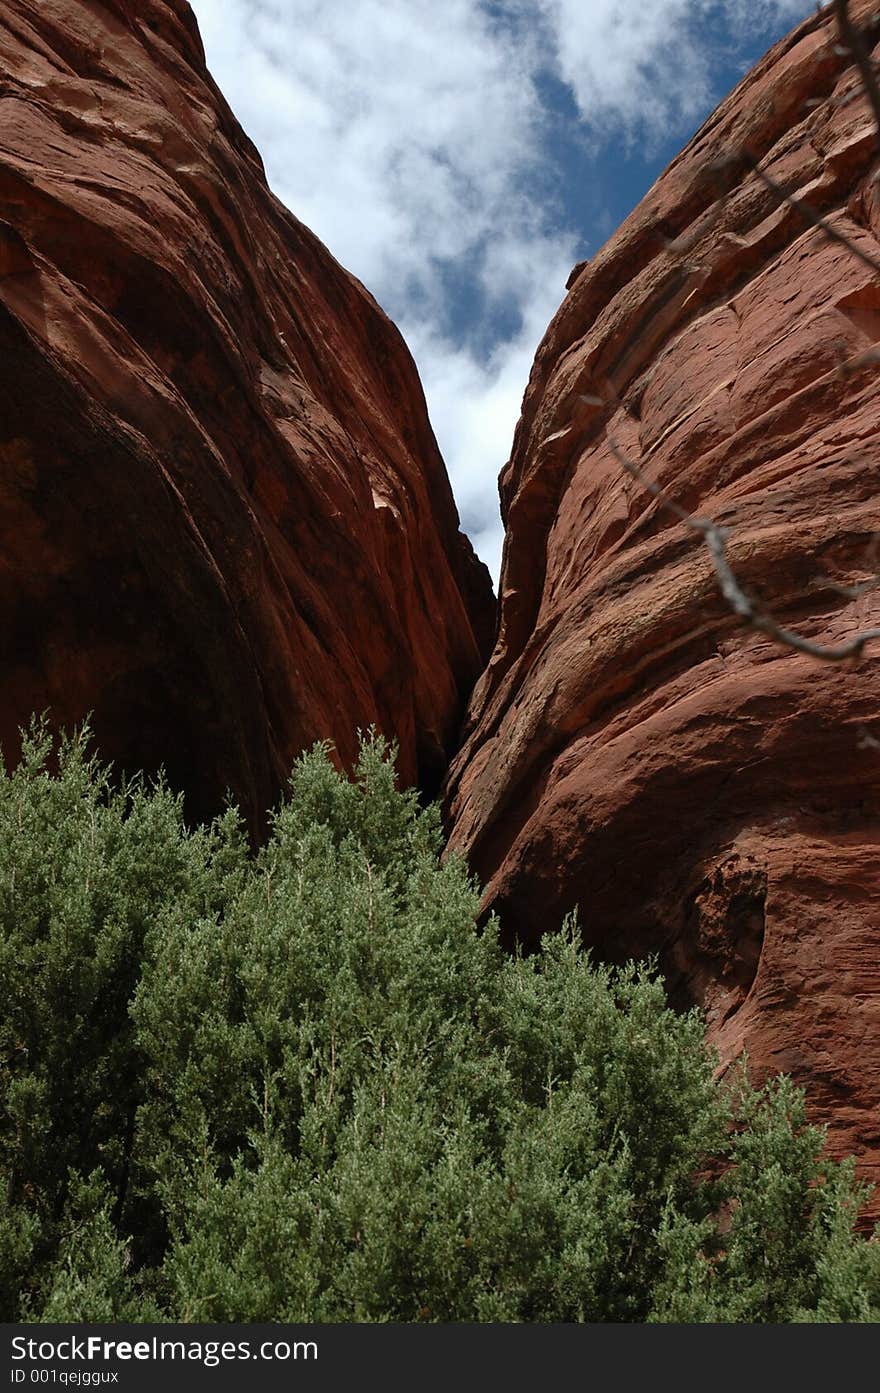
(459,156)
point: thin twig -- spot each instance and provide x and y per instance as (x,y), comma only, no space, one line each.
(851,40)
(852,592)
(808,214)
(715,539)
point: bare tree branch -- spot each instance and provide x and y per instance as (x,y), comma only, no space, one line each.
(715,539)
(851,41)
(808,214)
(852,592)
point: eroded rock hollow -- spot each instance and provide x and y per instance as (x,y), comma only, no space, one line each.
(692,788)
(226,528)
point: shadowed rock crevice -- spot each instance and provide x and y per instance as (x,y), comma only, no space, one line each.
(714,959)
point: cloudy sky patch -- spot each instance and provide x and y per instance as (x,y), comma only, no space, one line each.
(460,157)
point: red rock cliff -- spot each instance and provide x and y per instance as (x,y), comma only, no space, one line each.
(694,789)
(226,528)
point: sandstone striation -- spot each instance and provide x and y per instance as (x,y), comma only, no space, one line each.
(226,527)
(693,789)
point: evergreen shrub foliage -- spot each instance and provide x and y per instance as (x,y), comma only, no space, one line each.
(301,1086)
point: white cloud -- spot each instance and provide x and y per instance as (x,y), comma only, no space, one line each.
(645,67)
(476,397)
(410,136)
(397,129)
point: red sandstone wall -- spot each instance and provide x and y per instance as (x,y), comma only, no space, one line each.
(226,528)
(693,789)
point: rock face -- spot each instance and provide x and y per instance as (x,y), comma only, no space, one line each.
(226,527)
(694,789)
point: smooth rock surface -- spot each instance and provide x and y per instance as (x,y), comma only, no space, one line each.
(226,527)
(693,789)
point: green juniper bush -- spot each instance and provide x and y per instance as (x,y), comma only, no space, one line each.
(300,1085)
